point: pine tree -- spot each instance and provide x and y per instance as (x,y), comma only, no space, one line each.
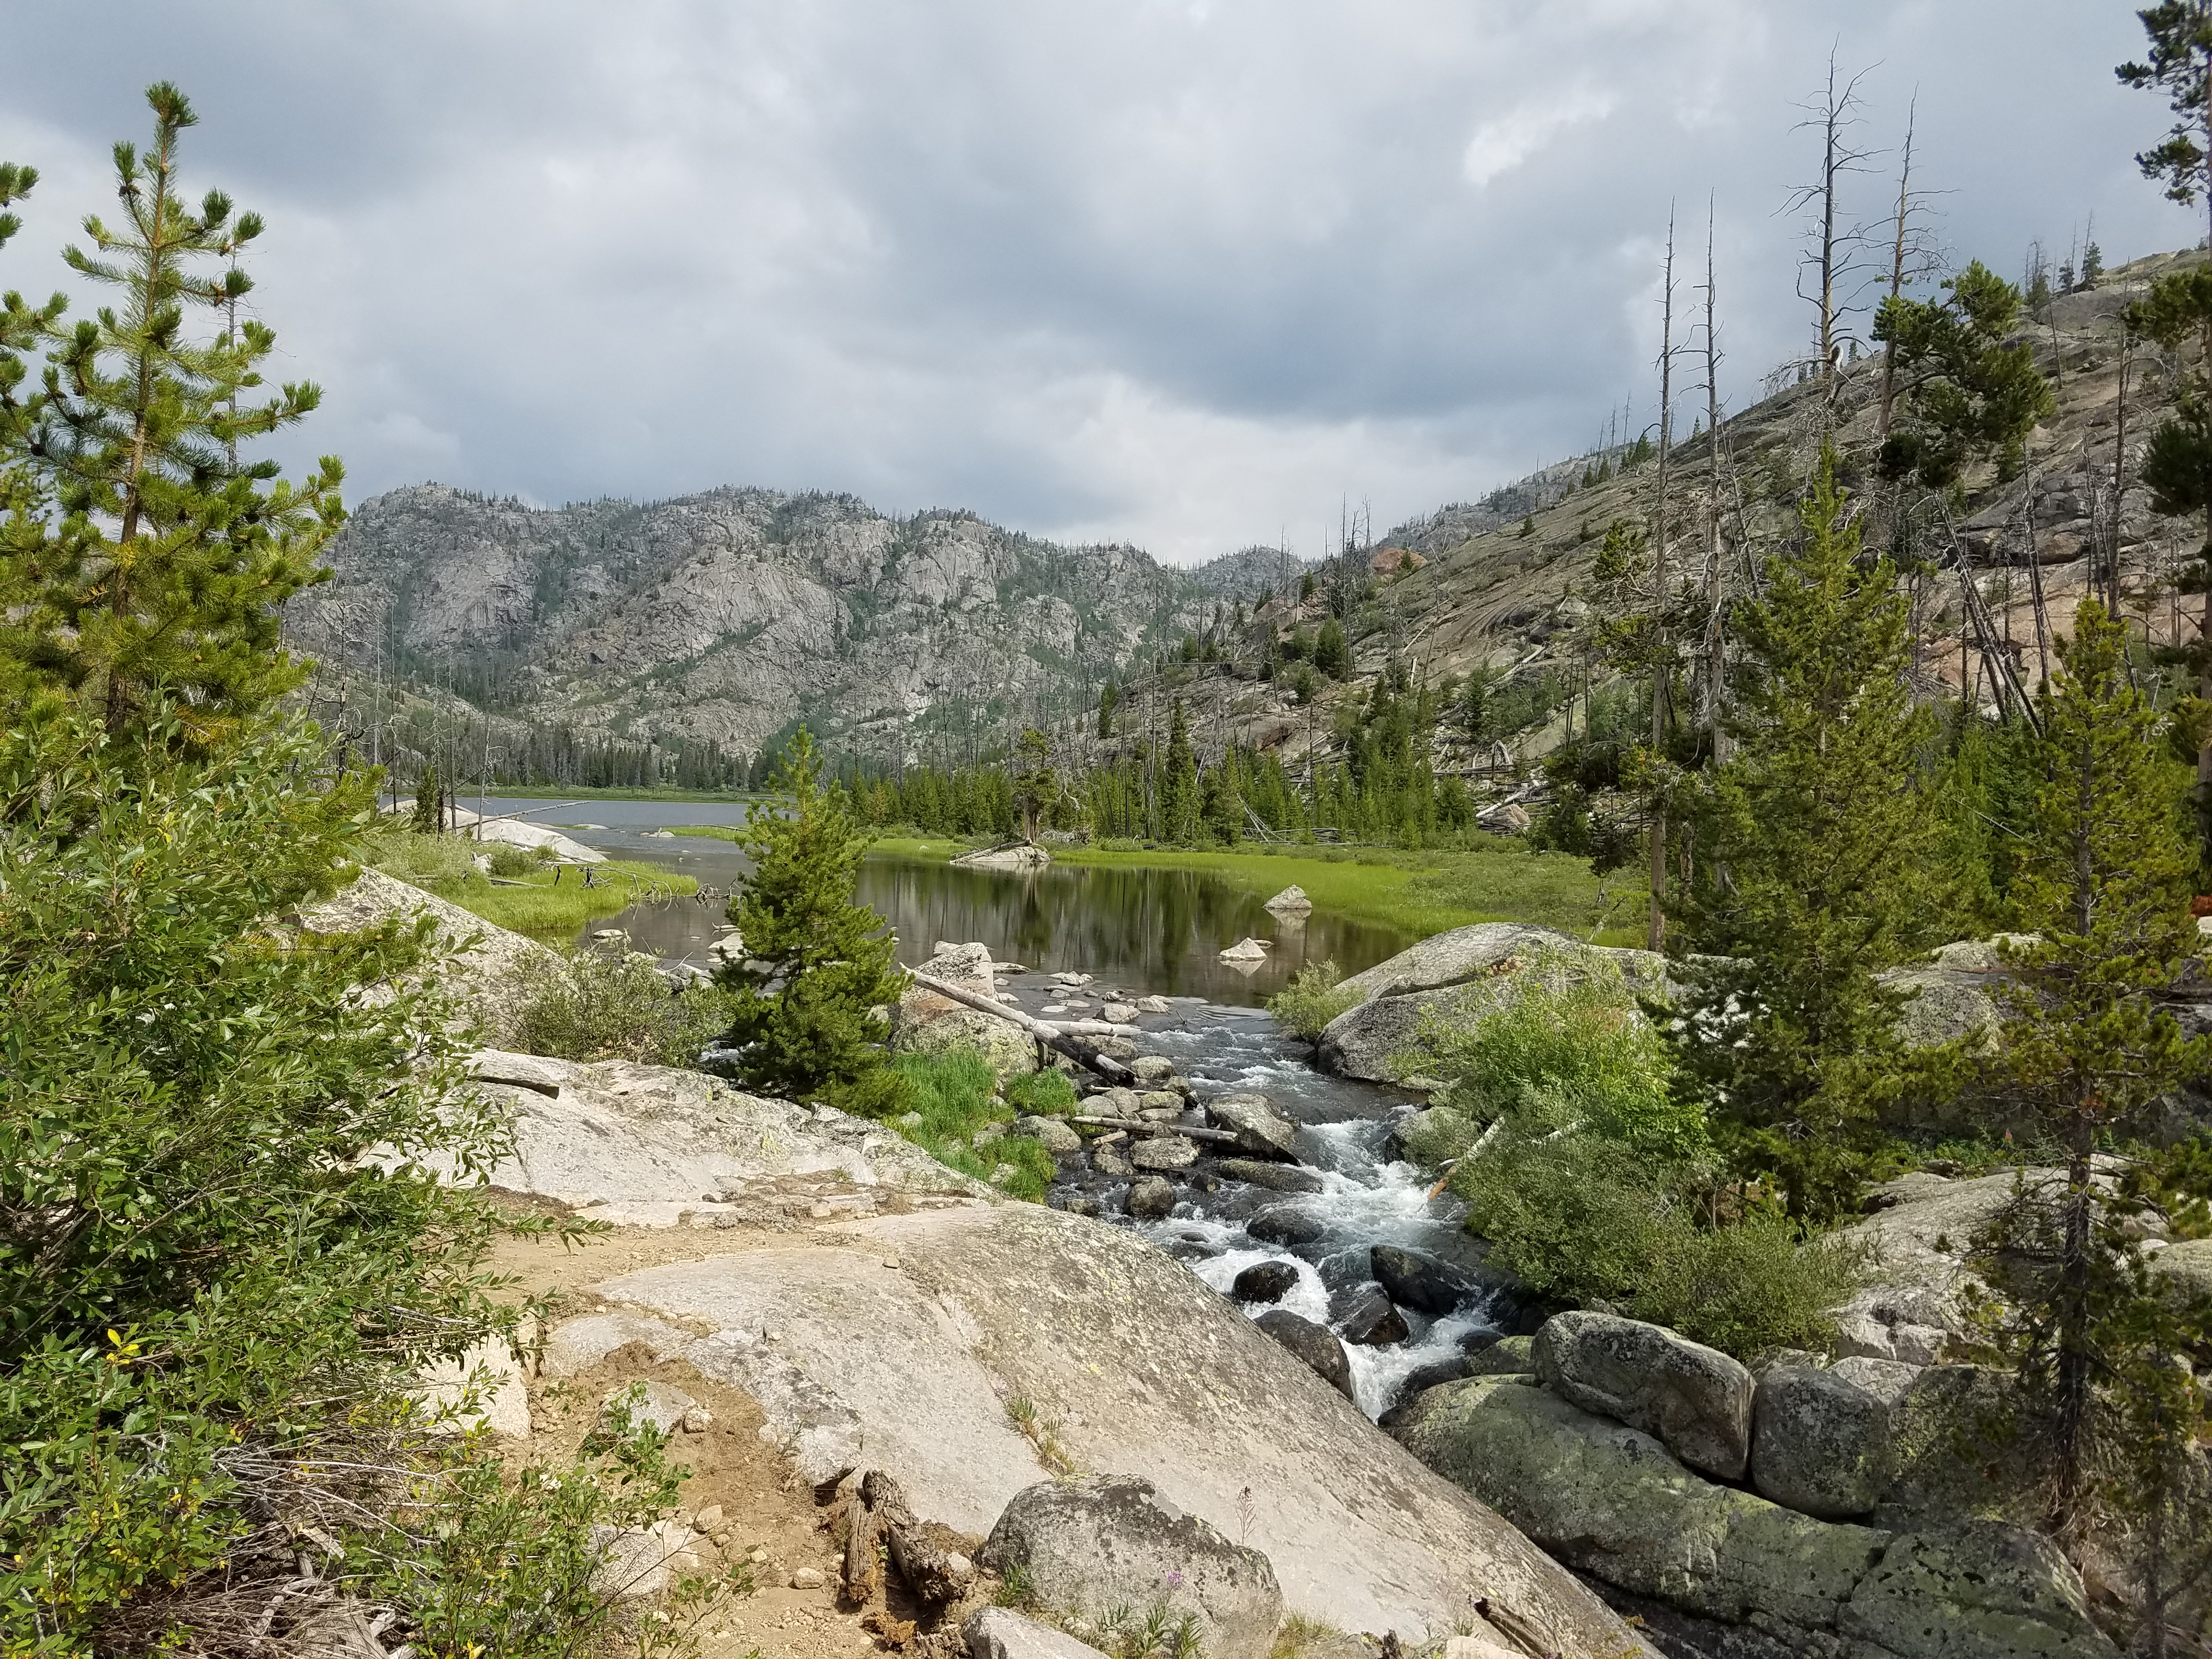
(1330,653)
(1968,393)
(430,802)
(1811,843)
(2103,890)
(163,581)
(817,965)
(1036,784)
(1221,806)
(1179,782)
(1109,698)
(1528,525)
(2180,66)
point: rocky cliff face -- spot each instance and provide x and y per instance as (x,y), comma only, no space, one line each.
(728,614)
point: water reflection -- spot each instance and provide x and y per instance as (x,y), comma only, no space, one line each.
(1147,930)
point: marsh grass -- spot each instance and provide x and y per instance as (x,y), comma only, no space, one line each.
(551,904)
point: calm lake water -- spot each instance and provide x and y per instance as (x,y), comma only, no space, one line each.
(1151,931)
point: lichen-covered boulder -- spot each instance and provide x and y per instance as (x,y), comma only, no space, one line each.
(1981,1589)
(1467,971)
(1113,1541)
(1695,1399)
(1611,1501)
(925,1023)
(1820,1443)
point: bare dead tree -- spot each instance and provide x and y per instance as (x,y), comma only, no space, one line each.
(1910,257)
(1658,930)
(1833,246)
(1715,556)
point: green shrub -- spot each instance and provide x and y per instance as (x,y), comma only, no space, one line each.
(1585,1218)
(621,1008)
(506,859)
(444,864)
(952,1097)
(204,1275)
(1559,1044)
(1437,1136)
(1309,1002)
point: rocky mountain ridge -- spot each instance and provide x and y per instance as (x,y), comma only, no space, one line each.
(730,614)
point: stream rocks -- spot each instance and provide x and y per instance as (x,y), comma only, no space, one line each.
(1415,1280)
(1264,1282)
(1150,1197)
(1316,1345)
(1367,1317)
(1259,1128)
(927,1022)
(1696,1400)
(1612,1501)
(1113,1541)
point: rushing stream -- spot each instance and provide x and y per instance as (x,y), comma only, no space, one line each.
(1138,933)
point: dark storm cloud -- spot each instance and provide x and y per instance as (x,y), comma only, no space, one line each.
(1184,273)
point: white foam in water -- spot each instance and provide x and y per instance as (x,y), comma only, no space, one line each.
(1376,1373)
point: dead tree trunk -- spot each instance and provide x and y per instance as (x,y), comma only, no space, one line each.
(1051,1036)
(1657,931)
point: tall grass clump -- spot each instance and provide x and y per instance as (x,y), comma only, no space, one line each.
(1308,1003)
(952,1096)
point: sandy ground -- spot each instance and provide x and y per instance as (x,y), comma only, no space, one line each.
(773,1525)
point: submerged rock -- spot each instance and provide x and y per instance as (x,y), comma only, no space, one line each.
(1265,1281)
(1245,950)
(1365,1315)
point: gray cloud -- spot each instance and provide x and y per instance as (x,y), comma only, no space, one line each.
(1184,273)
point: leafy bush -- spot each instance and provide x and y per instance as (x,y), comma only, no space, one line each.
(952,1095)
(1309,1002)
(507,859)
(1559,1044)
(1584,1218)
(199,1266)
(621,1008)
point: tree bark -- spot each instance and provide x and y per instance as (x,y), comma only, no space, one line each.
(1082,1053)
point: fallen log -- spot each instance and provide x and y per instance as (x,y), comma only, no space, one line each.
(1074,1047)
(931,1571)
(859,1574)
(1093,1028)
(1221,1137)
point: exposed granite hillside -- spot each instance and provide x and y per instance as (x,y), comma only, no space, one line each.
(726,615)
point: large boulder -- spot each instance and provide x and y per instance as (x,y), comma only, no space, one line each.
(1984,1589)
(1258,1127)
(1414,1279)
(1020,856)
(1820,1443)
(1695,1399)
(927,1022)
(1112,1540)
(1611,1502)
(1465,972)
(2187,1264)
(1315,1345)
(857,1362)
(492,973)
(655,1145)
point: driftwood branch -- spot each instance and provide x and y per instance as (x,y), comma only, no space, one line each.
(1052,1036)
(1094,1028)
(860,1549)
(1222,1137)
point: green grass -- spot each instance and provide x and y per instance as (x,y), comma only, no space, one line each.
(445,865)
(1419,893)
(541,791)
(953,1098)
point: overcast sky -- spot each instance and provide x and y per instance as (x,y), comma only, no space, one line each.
(1183,274)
